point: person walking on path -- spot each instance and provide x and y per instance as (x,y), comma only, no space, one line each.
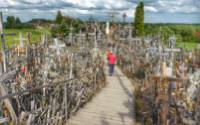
(112,60)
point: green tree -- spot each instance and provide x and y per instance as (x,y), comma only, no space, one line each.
(18,23)
(59,17)
(139,19)
(64,29)
(10,22)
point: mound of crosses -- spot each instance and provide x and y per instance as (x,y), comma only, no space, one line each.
(33,92)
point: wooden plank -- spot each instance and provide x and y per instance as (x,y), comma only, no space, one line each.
(99,121)
(109,113)
(87,120)
(117,118)
(113,106)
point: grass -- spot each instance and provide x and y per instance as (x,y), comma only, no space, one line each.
(36,35)
(187,45)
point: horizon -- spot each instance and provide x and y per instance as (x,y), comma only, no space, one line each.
(156,11)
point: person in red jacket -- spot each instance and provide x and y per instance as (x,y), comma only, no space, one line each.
(112,60)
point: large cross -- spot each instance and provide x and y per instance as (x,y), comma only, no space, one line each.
(57,47)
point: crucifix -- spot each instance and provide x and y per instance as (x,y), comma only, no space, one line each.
(57,47)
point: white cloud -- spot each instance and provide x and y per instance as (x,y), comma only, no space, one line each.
(150,9)
(178,6)
(76,8)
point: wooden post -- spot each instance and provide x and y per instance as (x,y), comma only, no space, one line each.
(3,43)
(8,103)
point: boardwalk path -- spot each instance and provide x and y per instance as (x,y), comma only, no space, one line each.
(112,106)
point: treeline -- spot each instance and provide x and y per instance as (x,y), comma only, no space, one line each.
(183,32)
(15,23)
(63,25)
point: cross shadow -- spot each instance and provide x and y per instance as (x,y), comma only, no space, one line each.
(130,101)
(129,104)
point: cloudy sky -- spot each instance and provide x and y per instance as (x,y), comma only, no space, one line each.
(156,11)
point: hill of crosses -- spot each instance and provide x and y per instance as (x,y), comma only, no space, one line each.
(116,70)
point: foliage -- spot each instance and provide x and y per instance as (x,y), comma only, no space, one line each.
(18,22)
(15,23)
(138,102)
(139,19)
(10,22)
(185,33)
(39,20)
(140,73)
(63,28)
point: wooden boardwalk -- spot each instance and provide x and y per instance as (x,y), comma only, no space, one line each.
(114,105)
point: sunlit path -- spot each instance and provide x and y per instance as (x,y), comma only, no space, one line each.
(114,105)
